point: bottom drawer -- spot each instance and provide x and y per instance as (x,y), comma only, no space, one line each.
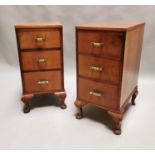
(101,94)
(42,81)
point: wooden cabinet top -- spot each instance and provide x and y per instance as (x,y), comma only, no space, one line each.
(111,26)
(39,25)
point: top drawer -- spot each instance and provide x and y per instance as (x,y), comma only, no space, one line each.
(100,43)
(34,38)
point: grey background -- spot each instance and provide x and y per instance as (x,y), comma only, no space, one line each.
(52,128)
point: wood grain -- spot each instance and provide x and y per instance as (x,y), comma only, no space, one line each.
(50,49)
(110,69)
(113,26)
(38,25)
(32,78)
(27,39)
(109,93)
(131,62)
(112,43)
(30,60)
(116,84)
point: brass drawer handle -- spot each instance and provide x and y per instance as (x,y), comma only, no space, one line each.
(39,39)
(96,44)
(94,93)
(41,60)
(95,68)
(42,82)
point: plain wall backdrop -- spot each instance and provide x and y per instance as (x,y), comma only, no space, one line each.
(50,127)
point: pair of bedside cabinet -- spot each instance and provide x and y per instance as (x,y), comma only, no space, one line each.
(107,57)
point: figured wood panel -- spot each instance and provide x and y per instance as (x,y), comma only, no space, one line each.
(110,69)
(109,93)
(32,60)
(31,80)
(28,38)
(111,43)
(132,54)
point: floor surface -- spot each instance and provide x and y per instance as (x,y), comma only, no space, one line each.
(50,127)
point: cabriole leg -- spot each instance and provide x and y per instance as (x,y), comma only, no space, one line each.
(62,96)
(117,118)
(79,114)
(25,99)
(79,104)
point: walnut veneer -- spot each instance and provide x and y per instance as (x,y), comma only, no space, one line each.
(108,59)
(40,50)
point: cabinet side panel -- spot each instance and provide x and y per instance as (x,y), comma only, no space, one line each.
(20,59)
(131,62)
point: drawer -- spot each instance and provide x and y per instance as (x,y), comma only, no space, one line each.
(31,39)
(101,43)
(41,60)
(42,81)
(99,68)
(98,93)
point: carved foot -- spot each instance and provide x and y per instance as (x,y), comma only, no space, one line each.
(25,99)
(134,97)
(79,114)
(62,96)
(117,128)
(117,131)
(79,104)
(63,106)
(26,108)
(117,118)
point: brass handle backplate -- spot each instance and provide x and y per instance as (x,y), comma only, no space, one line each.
(95,93)
(95,68)
(39,39)
(96,44)
(42,82)
(41,60)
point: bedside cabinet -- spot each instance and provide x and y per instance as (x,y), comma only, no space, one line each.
(108,59)
(40,50)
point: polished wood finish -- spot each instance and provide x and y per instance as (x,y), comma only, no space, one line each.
(28,38)
(115,57)
(111,43)
(110,70)
(107,26)
(40,50)
(33,81)
(39,25)
(107,95)
(41,60)
(132,55)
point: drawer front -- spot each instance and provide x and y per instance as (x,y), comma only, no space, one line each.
(31,39)
(98,93)
(42,81)
(100,43)
(41,60)
(99,68)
